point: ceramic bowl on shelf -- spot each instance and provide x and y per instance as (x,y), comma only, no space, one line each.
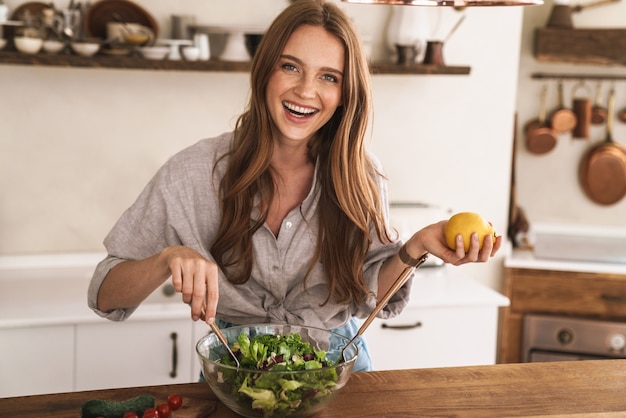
(28,45)
(52,46)
(191,53)
(275,388)
(85,49)
(157,53)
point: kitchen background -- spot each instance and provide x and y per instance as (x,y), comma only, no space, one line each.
(78,145)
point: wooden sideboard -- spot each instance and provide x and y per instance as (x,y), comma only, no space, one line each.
(553,292)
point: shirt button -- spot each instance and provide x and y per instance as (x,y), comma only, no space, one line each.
(275,268)
(288,225)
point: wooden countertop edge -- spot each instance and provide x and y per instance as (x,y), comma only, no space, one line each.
(574,389)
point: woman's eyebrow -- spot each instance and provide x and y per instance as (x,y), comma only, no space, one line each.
(299,61)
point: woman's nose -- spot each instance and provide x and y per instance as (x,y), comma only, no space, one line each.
(305,87)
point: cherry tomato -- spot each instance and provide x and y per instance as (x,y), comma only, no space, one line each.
(164,410)
(150,413)
(174,401)
(130,415)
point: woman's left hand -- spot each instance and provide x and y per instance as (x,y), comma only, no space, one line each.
(431,239)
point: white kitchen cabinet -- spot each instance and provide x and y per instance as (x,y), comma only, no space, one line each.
(434,337)
(36,360)
(450,321)
(133,353)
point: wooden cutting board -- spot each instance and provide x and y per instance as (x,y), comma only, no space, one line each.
(198,401)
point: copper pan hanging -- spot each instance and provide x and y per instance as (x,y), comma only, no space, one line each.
(598,111)
(602,172)
(562,120)
(540,138)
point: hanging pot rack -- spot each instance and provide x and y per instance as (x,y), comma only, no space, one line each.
(608,77)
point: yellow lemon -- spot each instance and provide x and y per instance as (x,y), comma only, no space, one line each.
(466,223)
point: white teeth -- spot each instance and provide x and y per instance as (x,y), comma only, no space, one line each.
(302,111)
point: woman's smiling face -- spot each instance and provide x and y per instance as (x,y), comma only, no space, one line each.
(305,87)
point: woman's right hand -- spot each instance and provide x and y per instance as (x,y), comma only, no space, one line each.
(196,278)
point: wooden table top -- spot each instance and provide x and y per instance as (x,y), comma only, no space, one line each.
(592,388)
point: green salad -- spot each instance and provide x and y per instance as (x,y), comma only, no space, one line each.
(278,394)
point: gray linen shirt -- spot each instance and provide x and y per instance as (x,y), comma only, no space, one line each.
(180,206)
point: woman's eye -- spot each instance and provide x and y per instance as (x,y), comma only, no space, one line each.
(329,77)
(289,67)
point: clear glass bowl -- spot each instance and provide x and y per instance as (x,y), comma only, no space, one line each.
(318,386)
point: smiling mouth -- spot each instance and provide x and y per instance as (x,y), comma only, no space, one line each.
(299,111)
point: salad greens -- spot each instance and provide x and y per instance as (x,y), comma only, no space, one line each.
(278,394)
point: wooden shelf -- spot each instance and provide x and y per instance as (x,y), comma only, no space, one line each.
(581,46)
(119,62)
(390,68)
(139,63)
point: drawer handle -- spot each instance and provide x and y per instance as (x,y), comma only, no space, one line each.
(173,336)
(613,298)
(418,324)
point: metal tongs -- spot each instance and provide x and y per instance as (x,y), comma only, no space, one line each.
(400,281)
(220,336)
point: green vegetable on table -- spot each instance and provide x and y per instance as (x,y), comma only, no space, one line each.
(116,409)
(279,393)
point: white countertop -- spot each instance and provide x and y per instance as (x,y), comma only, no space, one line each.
(44,290)
(527,259)
(445,287)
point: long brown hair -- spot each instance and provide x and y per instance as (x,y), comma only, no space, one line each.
(349,204)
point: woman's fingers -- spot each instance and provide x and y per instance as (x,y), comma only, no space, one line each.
(196,279)
(212,293)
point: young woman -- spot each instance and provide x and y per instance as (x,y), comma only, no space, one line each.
(283,220)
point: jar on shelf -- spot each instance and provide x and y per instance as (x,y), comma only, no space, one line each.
(408,27)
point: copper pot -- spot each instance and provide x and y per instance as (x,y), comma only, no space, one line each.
(581,106)
(602,172)
(561,14)
(540,138)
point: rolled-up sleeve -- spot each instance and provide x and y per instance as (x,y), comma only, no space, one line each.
(102,269)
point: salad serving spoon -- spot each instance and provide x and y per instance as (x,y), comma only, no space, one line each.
(400,281)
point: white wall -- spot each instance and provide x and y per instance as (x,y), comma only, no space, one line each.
(77,145)
(548,188)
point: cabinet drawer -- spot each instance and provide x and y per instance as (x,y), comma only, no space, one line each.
(36,360)
(575,293)
(434,337)
(133,353)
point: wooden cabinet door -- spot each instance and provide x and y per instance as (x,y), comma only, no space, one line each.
(36,360)
(569,293)
(134,353)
